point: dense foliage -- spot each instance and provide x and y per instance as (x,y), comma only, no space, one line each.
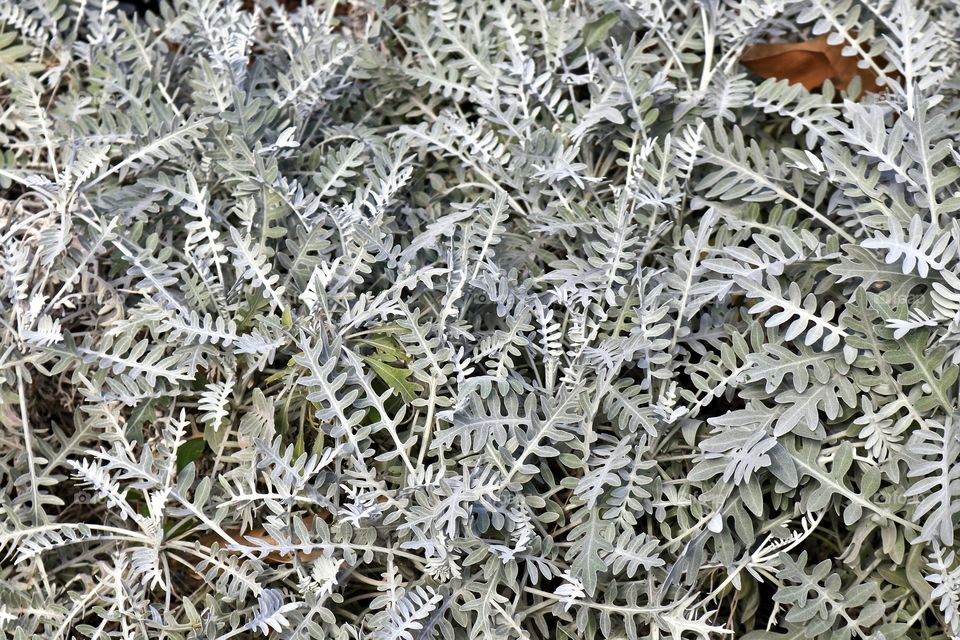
(479,319)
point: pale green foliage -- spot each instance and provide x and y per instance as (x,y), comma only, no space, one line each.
(480,319)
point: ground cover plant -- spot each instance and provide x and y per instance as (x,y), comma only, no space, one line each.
(481,319)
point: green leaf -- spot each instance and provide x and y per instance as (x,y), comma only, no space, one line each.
(594,33)
(11,55)
(396,377)
(385,345)
(190,451)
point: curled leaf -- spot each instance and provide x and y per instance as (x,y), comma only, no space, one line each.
(810,63)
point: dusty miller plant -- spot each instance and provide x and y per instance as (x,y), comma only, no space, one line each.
(482,319)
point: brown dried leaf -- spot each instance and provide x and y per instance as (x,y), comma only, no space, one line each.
(271,558)
(810,63)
